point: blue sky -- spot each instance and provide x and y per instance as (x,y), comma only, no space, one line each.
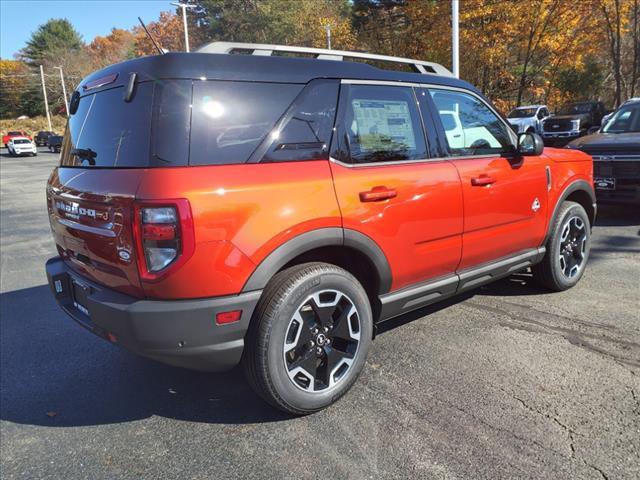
(89,17)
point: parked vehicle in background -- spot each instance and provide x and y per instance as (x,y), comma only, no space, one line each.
(606,118)
(572,121)
(14,134)
(616,155)
(528,118)
(269,210)
(54,143)
(42,137)
(21,146)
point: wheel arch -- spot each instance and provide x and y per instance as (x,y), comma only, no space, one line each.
(581,192)
(348,249)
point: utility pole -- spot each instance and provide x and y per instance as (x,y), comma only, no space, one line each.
(44,92)
(328,29)
(64,92)
(455,45)
(184,7)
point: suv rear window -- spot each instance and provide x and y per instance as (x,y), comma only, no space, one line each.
(106,131)
(178,123)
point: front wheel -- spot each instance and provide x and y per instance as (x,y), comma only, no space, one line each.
(567,249)
(309,338)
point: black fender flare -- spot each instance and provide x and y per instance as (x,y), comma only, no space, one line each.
(322,237)
(577,185)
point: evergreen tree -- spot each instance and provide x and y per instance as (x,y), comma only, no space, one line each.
(57,35)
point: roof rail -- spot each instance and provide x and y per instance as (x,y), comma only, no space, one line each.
(323,54)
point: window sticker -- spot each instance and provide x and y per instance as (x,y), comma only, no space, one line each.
(384,125)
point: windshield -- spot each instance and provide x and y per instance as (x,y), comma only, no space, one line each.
(625,120)
(575,108)
(21,141)
(14,133)
(522,113)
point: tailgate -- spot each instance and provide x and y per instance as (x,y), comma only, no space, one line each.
(90,212)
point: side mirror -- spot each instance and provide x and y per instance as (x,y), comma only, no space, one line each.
(530,144)
(592,130)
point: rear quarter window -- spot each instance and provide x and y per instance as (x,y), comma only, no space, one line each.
(230,119)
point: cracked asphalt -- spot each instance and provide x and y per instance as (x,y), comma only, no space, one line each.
(506,382)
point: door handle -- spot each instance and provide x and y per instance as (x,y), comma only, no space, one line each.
(377,194)
(482,180)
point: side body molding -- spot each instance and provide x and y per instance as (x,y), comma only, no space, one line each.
(323,237)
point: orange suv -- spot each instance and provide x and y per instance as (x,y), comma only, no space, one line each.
(243,205)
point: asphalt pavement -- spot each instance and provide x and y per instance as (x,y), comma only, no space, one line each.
(509,381)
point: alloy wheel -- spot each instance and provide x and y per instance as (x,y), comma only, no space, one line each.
(321,341)
(573,243)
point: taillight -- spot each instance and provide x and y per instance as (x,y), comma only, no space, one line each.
(164,236)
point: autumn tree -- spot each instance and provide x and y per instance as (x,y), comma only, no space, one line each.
(13,76)
(299,22)
(635,49)
(113,48)
(613,19)
(167,31)
(381,24)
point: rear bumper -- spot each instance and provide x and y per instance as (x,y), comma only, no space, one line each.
(182,333)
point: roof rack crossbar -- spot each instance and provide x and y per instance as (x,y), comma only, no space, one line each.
(323,54)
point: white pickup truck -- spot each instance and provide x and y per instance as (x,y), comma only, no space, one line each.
(528,118)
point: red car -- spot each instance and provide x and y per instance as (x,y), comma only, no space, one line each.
(217,208)
(16,133)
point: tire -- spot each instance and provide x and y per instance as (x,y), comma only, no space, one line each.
(554,272)
(282,338)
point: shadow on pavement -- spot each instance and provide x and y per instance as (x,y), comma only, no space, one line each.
(56,373)
(52,366)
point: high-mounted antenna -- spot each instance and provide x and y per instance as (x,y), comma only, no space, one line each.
(155,44)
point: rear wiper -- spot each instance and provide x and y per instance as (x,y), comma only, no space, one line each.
(85,154)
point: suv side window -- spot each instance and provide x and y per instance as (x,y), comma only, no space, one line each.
(471,127)
(230,119)
(304,132)
(381,124)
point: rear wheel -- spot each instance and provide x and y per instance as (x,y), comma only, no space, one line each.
(567,249)
(309,338)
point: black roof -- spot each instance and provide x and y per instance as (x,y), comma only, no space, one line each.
(258,69)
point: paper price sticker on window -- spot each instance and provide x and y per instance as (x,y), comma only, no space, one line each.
(384,125)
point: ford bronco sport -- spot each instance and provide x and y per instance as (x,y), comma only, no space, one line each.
(240,205)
